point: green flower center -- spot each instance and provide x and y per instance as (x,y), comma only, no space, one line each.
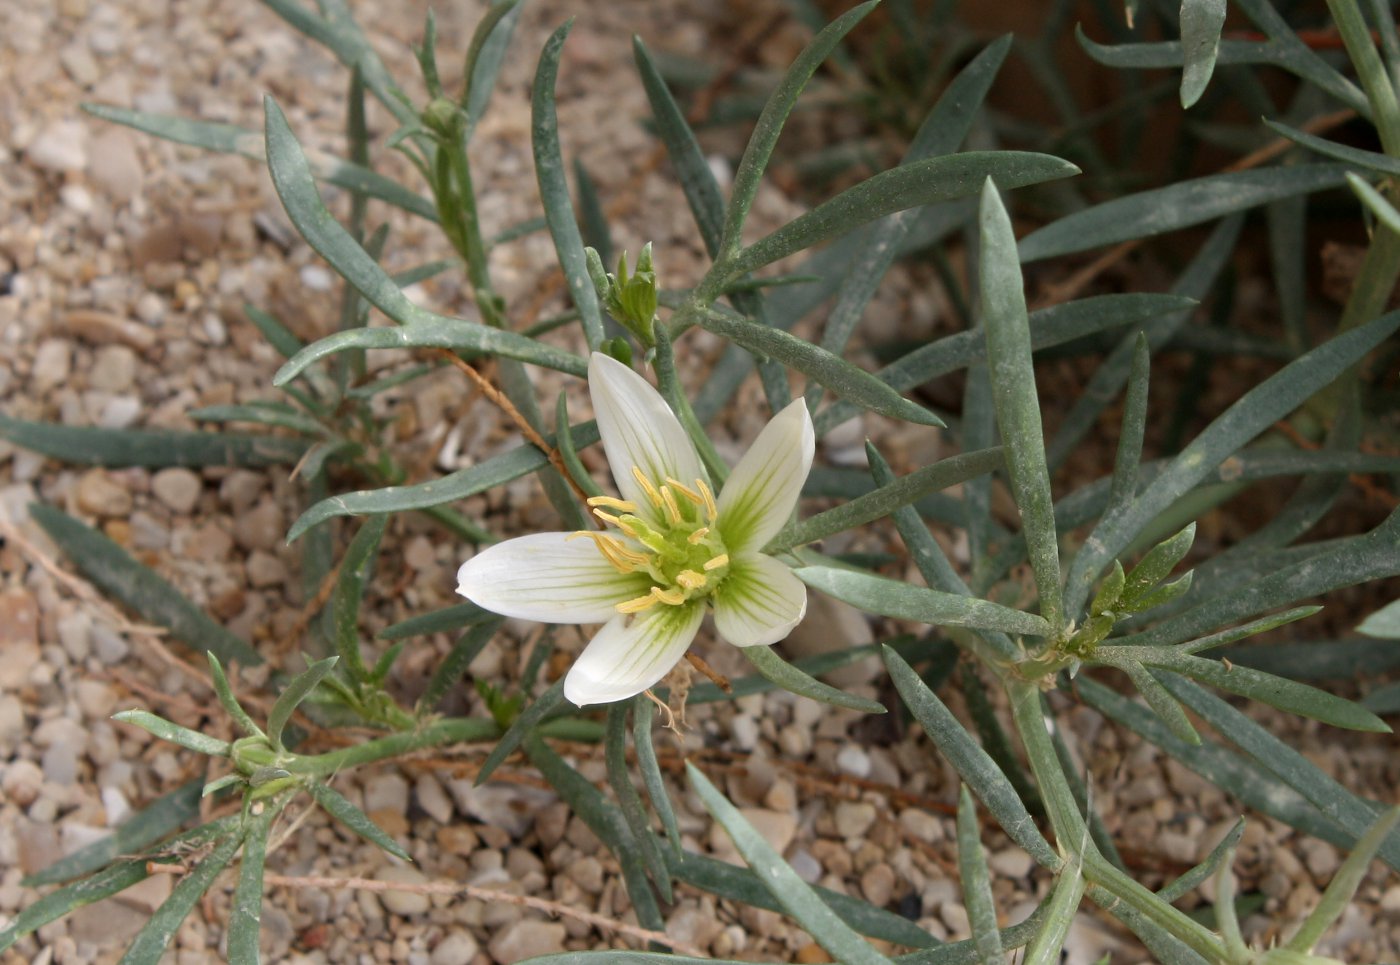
(681,552)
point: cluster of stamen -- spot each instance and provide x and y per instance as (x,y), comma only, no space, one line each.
(682,554)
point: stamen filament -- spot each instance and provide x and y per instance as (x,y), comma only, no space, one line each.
(612,551)
(698,535)
(639,604)
(671,597)
(720,560)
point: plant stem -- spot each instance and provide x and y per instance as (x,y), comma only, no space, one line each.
(449,730)
(1072,834)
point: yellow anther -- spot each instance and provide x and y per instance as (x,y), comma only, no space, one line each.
(673,509)
(612,502)
(647,486)
(720,560)
(671,597)
(685,491)
(690,579)
(639,604)
(608,518)
(698,535)
(711,510)
(611,550)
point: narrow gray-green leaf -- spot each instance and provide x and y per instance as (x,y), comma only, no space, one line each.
(1384,623)
(340,808)
(446,620)
(770,125)
(153,822)
(941,132)
(1163,704)
(1159,561)
(554,189)
(449,671)
(1189,880)
(521,726)
(774,668)
(1104,385)
(742,885)
(245,916)
(1273,621)
(355,568)
(1277,692)
(832,371)
(972,763)
(495,471)
(642,710)
(152,448)
(1342,888)
(108,881)
(1047,947)
(1252,414)
(485,55)
(1283,49)
(929,181)
(229,702)
(150,943)
(1201,22)
(698,183)
(1131,429)
(1012,375)
(1353,156)
(1375,202)
(1356,559)
(174,733)
(297,690)
(229,139)
(291,177)
(889,498)
(891,598)
(1180,205)
(794,894)
(977,883)
(629,801)
(1339,805)
(1049,327)
(277,417)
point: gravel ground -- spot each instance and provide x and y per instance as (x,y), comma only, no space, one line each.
(127,263)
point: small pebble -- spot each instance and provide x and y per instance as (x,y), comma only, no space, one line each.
(921,824)
(878,884)
(403,903)
(53,362)
(386,791)
(260,528)
(19,637)
(853,818)
(432,798)
(526,938)
(854,761)
(61,146)
(178,489)
(21,782)
(458,948)
(1012,863)
(100,495)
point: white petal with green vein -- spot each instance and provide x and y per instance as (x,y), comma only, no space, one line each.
(638,429)
(548,577)
(630,655)
(760,601)
(762,491)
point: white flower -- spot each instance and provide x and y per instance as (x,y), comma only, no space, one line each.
(670,549)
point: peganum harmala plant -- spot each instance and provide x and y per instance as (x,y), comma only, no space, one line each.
(1109,606)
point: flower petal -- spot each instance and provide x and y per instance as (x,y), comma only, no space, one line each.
(761,492)
(639,430)
(550,578)
(626,657)
(759,602)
